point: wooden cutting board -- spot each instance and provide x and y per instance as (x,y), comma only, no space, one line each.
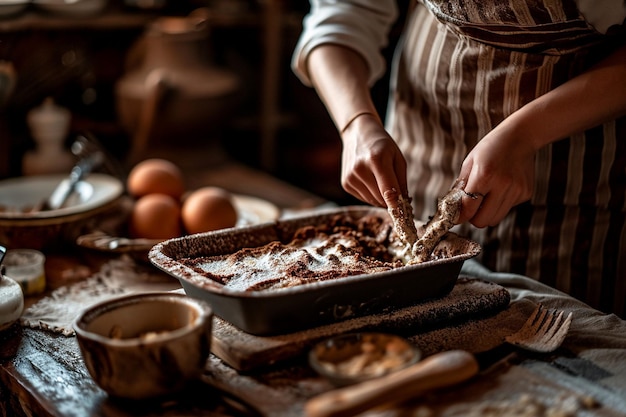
(470,298)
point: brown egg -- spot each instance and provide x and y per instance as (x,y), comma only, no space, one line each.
(208,208)
(155,216)
(156,176)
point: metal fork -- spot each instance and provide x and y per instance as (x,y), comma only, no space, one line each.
(544,331)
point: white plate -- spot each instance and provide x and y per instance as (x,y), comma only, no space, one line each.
(18,194)
(252,210)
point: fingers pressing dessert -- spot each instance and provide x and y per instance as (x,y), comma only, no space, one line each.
(447,214)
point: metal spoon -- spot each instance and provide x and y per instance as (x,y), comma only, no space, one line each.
(67,187)
(102,241)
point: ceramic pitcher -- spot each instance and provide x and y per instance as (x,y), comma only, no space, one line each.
(176,93)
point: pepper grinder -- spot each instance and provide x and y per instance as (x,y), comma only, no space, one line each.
(49,126)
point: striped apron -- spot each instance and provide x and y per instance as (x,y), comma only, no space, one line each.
(460,69)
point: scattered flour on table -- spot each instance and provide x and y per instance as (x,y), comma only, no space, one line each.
(121,276)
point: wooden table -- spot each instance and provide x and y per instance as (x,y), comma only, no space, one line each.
(42,373)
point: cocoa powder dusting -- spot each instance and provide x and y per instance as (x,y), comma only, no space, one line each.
(341,247)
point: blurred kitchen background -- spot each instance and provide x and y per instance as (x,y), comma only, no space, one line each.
(196,81)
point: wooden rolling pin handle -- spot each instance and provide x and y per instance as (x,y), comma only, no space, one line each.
(436,371)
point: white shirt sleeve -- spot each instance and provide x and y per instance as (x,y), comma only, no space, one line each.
(362,25)
(603,14)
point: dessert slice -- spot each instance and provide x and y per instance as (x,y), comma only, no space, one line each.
(446,216)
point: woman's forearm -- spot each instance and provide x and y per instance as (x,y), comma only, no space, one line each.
(581,103)
(340,76)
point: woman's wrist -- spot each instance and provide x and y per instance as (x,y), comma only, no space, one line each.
(360,114)
(354,117)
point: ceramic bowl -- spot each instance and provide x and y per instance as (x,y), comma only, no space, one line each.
(11,8)
(356,357)
(147,345)
(22,227)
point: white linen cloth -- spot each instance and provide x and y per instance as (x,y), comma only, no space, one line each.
(596,340)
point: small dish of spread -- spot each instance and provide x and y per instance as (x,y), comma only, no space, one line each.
(355,357)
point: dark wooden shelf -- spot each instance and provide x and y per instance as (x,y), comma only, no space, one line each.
(121,19)
(44,21)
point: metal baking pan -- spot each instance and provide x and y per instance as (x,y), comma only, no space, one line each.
(295,308)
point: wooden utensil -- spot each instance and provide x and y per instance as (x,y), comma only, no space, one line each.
(436,371)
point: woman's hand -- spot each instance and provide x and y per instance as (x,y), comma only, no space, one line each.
(499,174)
(373,168)
(500,169)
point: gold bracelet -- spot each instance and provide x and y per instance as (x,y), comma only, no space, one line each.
(353,118)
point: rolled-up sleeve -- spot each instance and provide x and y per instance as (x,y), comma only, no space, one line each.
(357,24)
(603,15)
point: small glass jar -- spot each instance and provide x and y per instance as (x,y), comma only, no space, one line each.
(26,267)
